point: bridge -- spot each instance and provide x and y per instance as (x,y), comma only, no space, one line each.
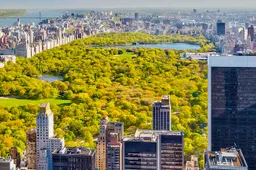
(33,17)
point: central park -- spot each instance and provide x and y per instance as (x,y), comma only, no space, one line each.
(121,83)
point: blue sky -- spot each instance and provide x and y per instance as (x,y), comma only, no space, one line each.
(124,3)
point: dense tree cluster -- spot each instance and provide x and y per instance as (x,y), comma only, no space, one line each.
(111,39)
(121,84)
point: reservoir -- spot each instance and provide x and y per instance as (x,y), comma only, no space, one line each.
(177,46)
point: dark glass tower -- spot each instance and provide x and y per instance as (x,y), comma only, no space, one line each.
(161,119)
(232,104)
(221,28)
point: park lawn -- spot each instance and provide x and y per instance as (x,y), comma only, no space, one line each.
(12,102)
(126,55)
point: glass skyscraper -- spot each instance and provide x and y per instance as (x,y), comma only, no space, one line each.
(232,104)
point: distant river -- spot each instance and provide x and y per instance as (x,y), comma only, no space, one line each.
(32,17)
(178,46)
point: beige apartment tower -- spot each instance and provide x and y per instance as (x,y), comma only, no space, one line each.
(31,149)
(109,131)
(101,145)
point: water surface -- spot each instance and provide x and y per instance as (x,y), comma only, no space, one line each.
(178,46)
(32,17)
(50,78)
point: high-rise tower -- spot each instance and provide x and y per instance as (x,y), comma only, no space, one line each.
(102,145)
(251,32)
(31,149)
(221,28)
(162,114)
(45,141)
(109,142)
(232,104)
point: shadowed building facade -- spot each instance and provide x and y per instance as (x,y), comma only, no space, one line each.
(155,150)
(161,112)
(73,159)
(232,104)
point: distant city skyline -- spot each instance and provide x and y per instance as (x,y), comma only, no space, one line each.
(61,4)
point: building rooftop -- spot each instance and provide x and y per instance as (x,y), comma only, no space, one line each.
(165,101)
(117,124)
(45,109)
(3,160)
(232,61)
(228,157)
(31,131)
(150,135)
(75,151)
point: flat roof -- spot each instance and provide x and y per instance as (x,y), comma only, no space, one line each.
(3,160)
(150,135)
(228,157)
(232,61)
(74,151)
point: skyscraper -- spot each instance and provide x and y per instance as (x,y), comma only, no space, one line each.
(162,114)
(101,145)
(136,15)
(221,29)
(154,150)
(45,141)
(232,104)
(31,149)
(251,32)
(107,129)
(114,153)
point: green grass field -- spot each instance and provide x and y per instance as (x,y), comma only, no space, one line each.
(11,102)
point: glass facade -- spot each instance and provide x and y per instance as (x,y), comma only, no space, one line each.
(233,110)
(140,155)
(172,152)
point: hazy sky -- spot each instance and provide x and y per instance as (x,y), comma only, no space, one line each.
(125,3)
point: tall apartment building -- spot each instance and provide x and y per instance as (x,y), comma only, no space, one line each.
(232,104)
(114,153)
(31,149)
(45,141)
(251,32)
(161,112)
(101,145)
(106,128)
(226,159)
(155,150)
(73,158)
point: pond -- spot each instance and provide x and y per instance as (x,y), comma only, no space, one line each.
(50,78)
(177,46)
